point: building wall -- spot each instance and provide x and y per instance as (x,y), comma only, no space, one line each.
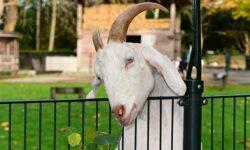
(61,63)
(9,55)
(162,40)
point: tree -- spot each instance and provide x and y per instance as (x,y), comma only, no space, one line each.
(242,11)
(229,20)
(38,23)
(53,26)
(11,15)
(1,9)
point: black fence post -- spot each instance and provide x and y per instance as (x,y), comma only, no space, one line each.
(193,100)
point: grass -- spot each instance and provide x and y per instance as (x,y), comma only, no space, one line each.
(19,91)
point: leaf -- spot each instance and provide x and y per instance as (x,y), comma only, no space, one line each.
(4,124)
(74,139)
(91,134)
(106,139)
(6,129)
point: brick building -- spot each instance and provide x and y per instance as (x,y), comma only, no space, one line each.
(154,32)
(9,52)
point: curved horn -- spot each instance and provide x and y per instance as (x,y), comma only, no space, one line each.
(120,26)
(97,40)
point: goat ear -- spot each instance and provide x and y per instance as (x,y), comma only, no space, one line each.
(167,68)
(95,85)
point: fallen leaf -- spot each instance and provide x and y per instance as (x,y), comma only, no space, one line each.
(6,129)
(4,124)
(74,139)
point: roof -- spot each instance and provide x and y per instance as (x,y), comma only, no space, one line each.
(9,34)
(102,16)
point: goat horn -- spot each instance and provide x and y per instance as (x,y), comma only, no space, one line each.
(120,26)
(97,40)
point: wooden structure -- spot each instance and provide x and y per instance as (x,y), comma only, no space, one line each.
(9,52)
(54,91)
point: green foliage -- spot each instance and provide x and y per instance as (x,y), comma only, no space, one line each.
(162,14)
(65,27)
(74,139)
(106,139)
(98,140)
(242,10)
(220,27)
(17,91)
(63,52)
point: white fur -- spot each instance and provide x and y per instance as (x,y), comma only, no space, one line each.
(151,74)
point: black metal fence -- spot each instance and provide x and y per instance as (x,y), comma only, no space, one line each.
(42,124)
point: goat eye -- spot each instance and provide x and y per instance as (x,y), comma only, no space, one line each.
(99,78)
(128,61)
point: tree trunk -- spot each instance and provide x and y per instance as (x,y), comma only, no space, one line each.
(38,23)
(247,50)
(247,44)
(79,28)
(177,33)
(53,26)
(175,30)
(172,17)
(11,16)
(156,14)
(1,8)
(79,20)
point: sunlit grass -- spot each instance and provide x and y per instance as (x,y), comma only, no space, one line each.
(34,91)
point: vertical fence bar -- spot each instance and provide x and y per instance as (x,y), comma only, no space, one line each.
(160,125)
(123,138)
(245,123)
(135,146)
(40,127)
(83,124)
(9,140)
(212,124)
(193,100)
(110,120)
(109,126)
(234,121)
(55,122)
(172,125)
(69,118)
(223,123)
(24,126)
(148,123)
(96,115)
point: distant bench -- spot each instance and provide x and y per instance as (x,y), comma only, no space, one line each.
(79,91)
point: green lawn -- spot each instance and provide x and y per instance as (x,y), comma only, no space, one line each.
(19,91)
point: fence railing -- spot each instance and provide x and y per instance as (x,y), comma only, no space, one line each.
(43,124)
(228,119)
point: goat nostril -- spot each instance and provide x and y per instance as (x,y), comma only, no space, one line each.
(120,111)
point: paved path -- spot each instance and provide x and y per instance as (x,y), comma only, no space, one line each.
(242,77)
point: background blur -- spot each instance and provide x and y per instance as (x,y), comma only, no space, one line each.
(54,37)
(46,48)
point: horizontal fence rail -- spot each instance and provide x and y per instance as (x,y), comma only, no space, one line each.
(45,124)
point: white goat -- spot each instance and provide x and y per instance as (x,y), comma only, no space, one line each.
(130,73)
